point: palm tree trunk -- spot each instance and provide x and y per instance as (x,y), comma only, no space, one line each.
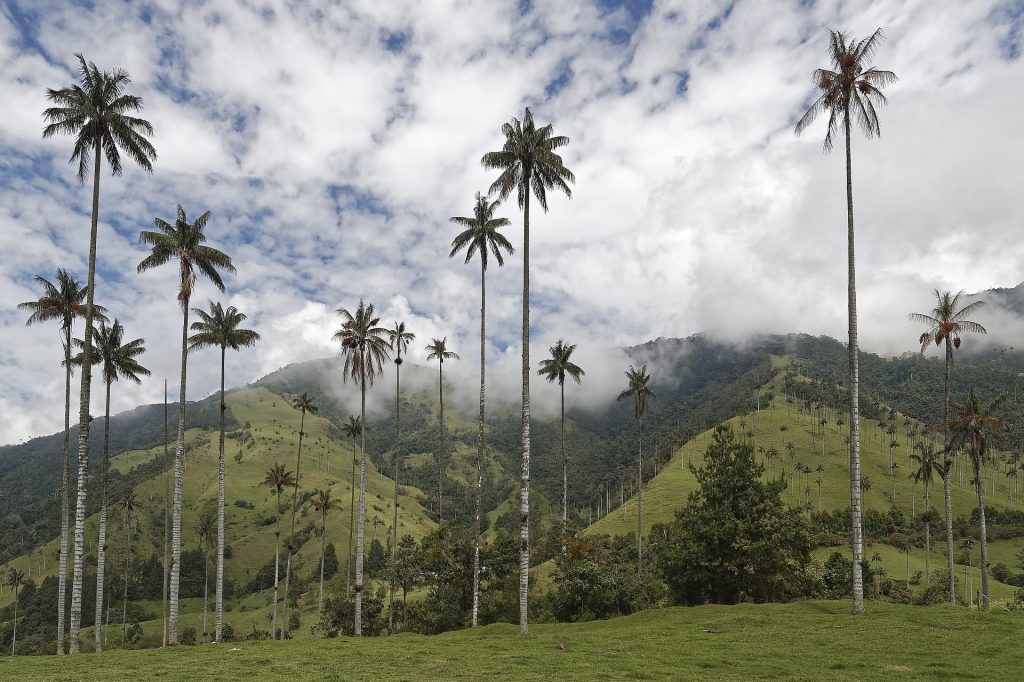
(167,528)
(179,485)
(398,462)
(101,550)
(206,590)
(361,525)
(855,501)
(14,636)
(441,453)
(323,552)
(127,563)
(927,538)
(983,532)
(565,471)
(291,533)
(83,418)
(65,476)
(947,484)
(218,606)
(524,474)
(479,447)
(277,560)
(351,524)
(640,500)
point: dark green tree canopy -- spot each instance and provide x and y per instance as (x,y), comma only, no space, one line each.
(362,343)
(219,328)
(481,233)
(559,365)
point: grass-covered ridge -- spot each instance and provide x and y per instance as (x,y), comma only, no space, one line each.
(799,641)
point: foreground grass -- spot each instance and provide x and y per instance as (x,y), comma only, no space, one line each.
(803,641)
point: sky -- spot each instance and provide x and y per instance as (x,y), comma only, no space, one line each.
(332,142)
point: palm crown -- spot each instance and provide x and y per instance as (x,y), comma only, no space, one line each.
(481,233)
(945,321)
(353,428)
(528,161)
(399,340)
(850,89)
(184,241)
(559,365)
(638,390)
(64,301)
(323,502)
(117,357)
(218,328)
(438,350)
(278,478)
(304,403)
(976,427)
(362,343)
(97,113)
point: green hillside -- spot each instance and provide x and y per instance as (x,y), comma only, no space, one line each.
(800,641)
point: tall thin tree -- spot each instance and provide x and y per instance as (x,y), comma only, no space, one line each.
(641,393)
(219,328)
(62,301)
(303,403)
(945,325)
(97,113)
(323,503)
(399,339)
(184,242)
(365,349)
(118,359)
(928,464)
(481,236)
(438,350)
(556,368)
(206,530)
(850,91)
(128,508)
(15,579)
(528,164)
(352,429)
(277,478)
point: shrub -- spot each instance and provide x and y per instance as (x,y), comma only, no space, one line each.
(188,636)
(227,633)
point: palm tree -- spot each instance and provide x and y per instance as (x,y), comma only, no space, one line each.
(974,428)
(128,507)
(365,350)
(438,350)
(481,235)
(323,503)
(62,301)
(353,429)
(206,529)
(119,360)
(304,403)
(556,368)
(278,479)
(183,242)
(529,164)
(399,340)
(642,395)
(945,325)
(97,112)
(851,91)
(928,465)
(15,578)
(219,328)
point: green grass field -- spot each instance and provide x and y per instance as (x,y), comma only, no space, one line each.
(801,641)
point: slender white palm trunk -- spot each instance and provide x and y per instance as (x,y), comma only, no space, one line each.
(179,487)
(524,473)
(65,476)
(480,444)
(218,607)
(277,561)
(101,549)
(361,524)
(291,535)
(127,564)
(398,468)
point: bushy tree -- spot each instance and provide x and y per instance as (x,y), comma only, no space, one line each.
(734,540)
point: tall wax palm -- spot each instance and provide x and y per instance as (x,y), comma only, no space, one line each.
(98,114)
(119,360)
(438,350)
(219,328)
(976,428)
(556,368)
(529,165)
(62,301)
(323,503)
(928,464)
(128,508)
(206,531)
(303,403)
(399,339)
(946,322)
(481,236)
(850,91)
(278,479)
(365,349)
(15,578)
(641,394)
(354,430)
(184,242)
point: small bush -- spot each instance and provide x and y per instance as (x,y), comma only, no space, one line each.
(188,636)
(244,504)
(294,622)
(227,633)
